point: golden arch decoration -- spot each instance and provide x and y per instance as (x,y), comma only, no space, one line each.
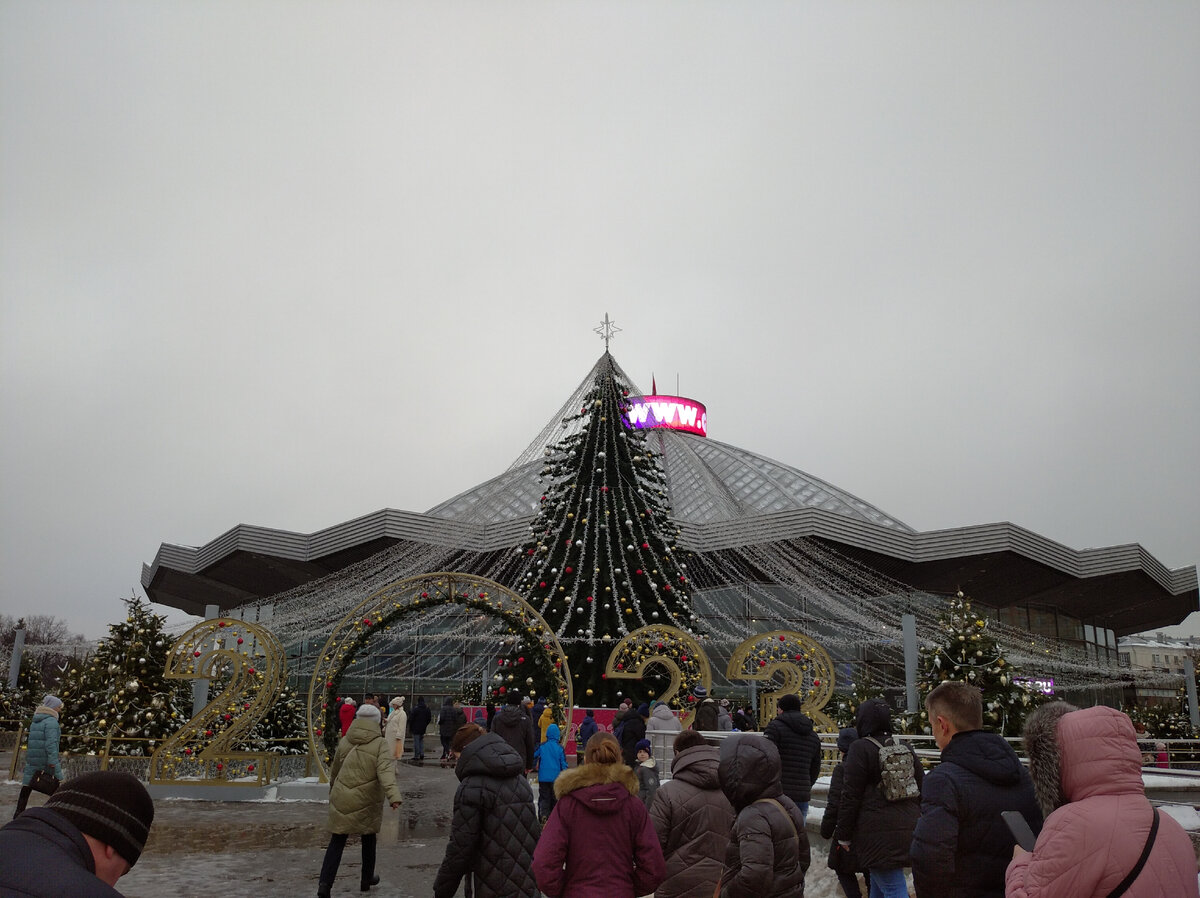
(798,661)
(202,752)
(674,649)
(409,596)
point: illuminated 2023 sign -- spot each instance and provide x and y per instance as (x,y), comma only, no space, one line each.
(671,412)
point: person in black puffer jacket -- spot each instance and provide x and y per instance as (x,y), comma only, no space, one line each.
(799,750)
(961,846)
(843,863)
(768,852)
(495,827)
(512,724)
(879,830)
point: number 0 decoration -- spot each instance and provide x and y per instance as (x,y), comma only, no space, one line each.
(677,651)
(376,613)
(202,751)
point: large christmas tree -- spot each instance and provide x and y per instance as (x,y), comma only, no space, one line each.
(602,560)
(120,691)
(968,652)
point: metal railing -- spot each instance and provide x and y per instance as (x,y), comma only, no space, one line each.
(132,755)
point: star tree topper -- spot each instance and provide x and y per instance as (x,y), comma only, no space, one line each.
(607,330)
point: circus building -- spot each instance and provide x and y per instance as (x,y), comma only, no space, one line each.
(623,514)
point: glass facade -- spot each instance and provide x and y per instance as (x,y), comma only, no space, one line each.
(1100,643)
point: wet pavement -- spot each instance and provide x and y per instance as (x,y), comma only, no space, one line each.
(254,849)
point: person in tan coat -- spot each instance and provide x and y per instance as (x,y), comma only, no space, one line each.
(397,722)
(361,775)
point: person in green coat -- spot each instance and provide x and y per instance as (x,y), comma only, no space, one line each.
(361,775)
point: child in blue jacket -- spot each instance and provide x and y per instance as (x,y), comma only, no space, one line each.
(551,760)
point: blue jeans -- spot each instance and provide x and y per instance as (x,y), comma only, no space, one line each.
(418,746)
(803,806)
(888,883)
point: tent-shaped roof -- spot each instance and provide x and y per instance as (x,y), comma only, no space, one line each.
(722,497)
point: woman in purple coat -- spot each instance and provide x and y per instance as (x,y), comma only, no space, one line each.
(598,842)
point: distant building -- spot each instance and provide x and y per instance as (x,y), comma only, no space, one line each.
(1161,654)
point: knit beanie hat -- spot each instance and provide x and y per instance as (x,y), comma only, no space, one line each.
(52,701)
(110,806)
(643,745)
(397,702)
(368,711)
(699,691)
(643,710)
(789,702)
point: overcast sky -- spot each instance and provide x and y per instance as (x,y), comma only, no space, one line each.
(289,263)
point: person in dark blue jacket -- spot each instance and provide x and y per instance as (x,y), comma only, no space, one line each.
(89,834)
(587,729)
(961,846)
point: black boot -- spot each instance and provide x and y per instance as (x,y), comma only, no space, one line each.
(323,889)
(365,885)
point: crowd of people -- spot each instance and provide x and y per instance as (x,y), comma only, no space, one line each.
(729,822)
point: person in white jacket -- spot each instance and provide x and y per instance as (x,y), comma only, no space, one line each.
(396,725)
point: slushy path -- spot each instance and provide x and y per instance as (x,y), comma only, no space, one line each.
(198,849)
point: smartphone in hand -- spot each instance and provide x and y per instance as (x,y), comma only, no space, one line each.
(1019,827)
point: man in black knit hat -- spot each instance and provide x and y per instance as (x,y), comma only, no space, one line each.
(86,837)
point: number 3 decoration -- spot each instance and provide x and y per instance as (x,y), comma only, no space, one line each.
(793,661)
(201,752)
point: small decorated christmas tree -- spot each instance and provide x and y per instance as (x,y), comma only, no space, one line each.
(284,728)
(120,691)
(845,705)
(966,651)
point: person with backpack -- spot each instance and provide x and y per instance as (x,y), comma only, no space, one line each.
(881,800)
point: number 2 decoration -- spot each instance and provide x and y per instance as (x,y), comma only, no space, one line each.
(671,647)
(202,751)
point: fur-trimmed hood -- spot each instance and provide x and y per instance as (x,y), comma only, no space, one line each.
(1045,763)
(597,785)
(1076,754)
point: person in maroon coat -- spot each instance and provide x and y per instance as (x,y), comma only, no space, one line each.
(598,842)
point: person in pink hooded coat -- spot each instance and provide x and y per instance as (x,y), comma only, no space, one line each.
(1086,770)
